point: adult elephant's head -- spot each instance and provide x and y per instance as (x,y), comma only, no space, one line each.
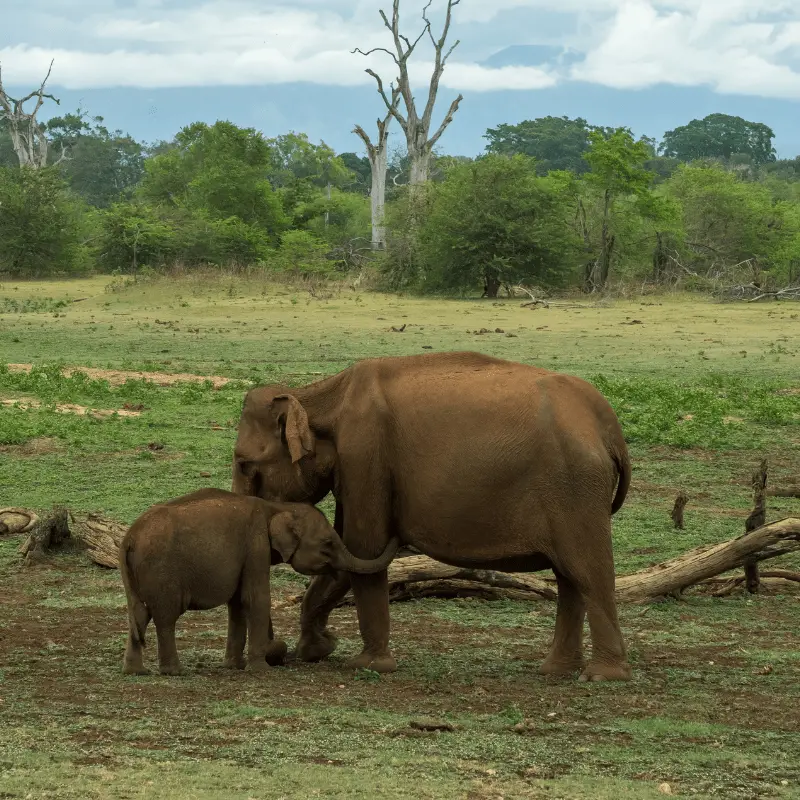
(277,455)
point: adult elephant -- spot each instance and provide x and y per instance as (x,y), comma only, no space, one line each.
(475,461)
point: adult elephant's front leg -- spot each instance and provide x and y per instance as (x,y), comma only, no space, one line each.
(371,593)
(323,593)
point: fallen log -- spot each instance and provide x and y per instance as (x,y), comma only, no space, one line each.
(101,537)
(669,578)
(703,565)
(791,491)
(17,520)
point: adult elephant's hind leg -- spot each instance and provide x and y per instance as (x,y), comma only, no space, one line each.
(566,651)
(594,576)
(323,593)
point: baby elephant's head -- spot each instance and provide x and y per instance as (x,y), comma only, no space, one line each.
(306,540)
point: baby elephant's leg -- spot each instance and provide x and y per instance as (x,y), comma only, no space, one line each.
(168,661)
(237,635)
(262,650)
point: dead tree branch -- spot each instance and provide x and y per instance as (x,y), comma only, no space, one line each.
(415,126)
(27,135)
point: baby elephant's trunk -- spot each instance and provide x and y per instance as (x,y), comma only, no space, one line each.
(343,559)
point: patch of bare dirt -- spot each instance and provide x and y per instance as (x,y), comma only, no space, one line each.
(73,408)
(116,377)
(39,446)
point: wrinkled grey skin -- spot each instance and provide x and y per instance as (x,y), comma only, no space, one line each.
(214,547)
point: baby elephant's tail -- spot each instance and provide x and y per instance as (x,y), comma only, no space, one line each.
(138,615)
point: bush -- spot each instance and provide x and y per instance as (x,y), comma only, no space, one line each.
(137,234)
(494,221)
(43,228)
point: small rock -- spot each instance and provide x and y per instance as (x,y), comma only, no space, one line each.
(205,474)
(665,788)
(427,347)
(511,336)
(499,330)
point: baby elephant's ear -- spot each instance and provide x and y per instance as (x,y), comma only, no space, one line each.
(283,535)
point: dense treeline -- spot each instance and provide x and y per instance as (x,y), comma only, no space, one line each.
(553,203)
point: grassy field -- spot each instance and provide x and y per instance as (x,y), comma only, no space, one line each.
(703,390)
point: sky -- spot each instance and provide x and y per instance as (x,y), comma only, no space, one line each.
(150,67)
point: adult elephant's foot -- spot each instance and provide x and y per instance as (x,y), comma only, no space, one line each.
(316,645)
(596,671)
(382,663)
(234,663)
(135,669)
(561,667)
(170,669)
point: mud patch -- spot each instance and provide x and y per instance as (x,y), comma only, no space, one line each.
(116,377)
(73,408)
(40,446)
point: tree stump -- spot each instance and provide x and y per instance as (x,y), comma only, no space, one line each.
(677,510)
(756,519)
(46,534)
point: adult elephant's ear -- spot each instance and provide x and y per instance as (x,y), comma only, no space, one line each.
(283,536)
(293,420)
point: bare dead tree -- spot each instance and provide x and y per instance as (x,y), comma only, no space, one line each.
(416,128)
(27,135)
(378,155)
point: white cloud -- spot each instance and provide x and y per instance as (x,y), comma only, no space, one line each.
(730,45)
(644,46)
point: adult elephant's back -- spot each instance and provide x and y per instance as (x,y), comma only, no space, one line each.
(476,447)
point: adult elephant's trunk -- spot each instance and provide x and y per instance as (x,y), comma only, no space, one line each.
(344,560)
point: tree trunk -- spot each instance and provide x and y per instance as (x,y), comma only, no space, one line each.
(659,259)
(420,162)
(327,210)
(378,163)
(491,286)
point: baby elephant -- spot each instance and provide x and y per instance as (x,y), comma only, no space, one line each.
(213,547)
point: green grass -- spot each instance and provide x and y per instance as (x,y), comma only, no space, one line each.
(703,390)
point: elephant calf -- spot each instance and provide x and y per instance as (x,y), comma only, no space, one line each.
(213,547)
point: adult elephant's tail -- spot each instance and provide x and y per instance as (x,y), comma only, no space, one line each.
(619,452)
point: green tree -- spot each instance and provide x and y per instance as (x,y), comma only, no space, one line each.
(362,172)
(557,143)
(617,184)
(731,223)
(720,136)
(220,170)
(42,227)
(494,221)
(102,166)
